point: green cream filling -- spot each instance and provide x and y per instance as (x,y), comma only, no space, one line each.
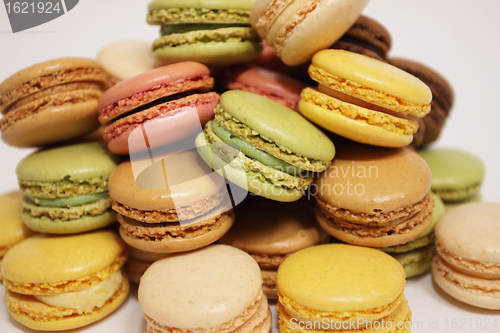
(255,153)
(168,29)
(70,201)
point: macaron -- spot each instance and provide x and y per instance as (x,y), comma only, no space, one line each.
(374,196)
(442,96)
(51,101)
(366,36)
(169,104)
(276,86)
(364,99)
(214,289)
(416,256)
(66,188)
(467,262)
(13,228)
(456,175)
(271,231)
(174,205)
(138,262)
(127,58)
(64,282)
(277,148)
(216,33)
(452,204)
(297,29)
(339,287)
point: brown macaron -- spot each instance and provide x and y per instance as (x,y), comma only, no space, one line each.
(442,96)
(169,207)
(271,231)
(52,101)
(375,197)
(366,36)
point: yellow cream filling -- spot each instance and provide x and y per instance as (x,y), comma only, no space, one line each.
(88,299)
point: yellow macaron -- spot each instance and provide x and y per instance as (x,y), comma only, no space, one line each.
(331,286)
(364,99)
(64,282)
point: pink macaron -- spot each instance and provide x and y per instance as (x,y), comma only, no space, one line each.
(167,104)
(274,85)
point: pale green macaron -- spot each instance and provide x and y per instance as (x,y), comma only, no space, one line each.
(416,256)
(66,188)
(216,33)
(280,150)
(456,175)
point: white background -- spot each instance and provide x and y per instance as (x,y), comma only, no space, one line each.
(457,38)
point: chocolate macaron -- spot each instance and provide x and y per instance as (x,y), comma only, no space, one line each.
(375,197)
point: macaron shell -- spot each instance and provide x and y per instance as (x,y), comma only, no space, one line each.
(471,232)
(49,259)
(80,162)
(452,204)
(226,283)
(339,278)
(194,182)
(274,229)
(53,125)
(453,169)
(355,130)
(73,226)
(391,179)
(373,74)
(242,180)
(471,290)
(369,30)
(224,53)
(127,58)
(278,123)
(69,322)
(13,228)
(417,261)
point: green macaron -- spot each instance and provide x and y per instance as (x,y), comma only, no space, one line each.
(416,256)
(280,150)
(213,32)
(66,188)
(456,175)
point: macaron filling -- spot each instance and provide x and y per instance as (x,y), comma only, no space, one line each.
(458,194)
(253,138)
(69,201)
(168,29)
(255,153)
(88,299)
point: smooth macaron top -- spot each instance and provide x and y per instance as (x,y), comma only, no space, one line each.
(189,180)
(373,74)
(472,232)
(213,285)
(169,74)
(13,228)
(369,179)
(339,277)
(274,228)
(453,169)
(49,259)
(205,4)
(46,68)
(278,123)
(79,162)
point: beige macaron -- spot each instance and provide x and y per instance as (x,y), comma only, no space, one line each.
(170,206)
(214,289)
(270,231)
(467,262)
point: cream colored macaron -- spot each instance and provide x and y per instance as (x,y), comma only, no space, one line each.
(467,262)
(217,289)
